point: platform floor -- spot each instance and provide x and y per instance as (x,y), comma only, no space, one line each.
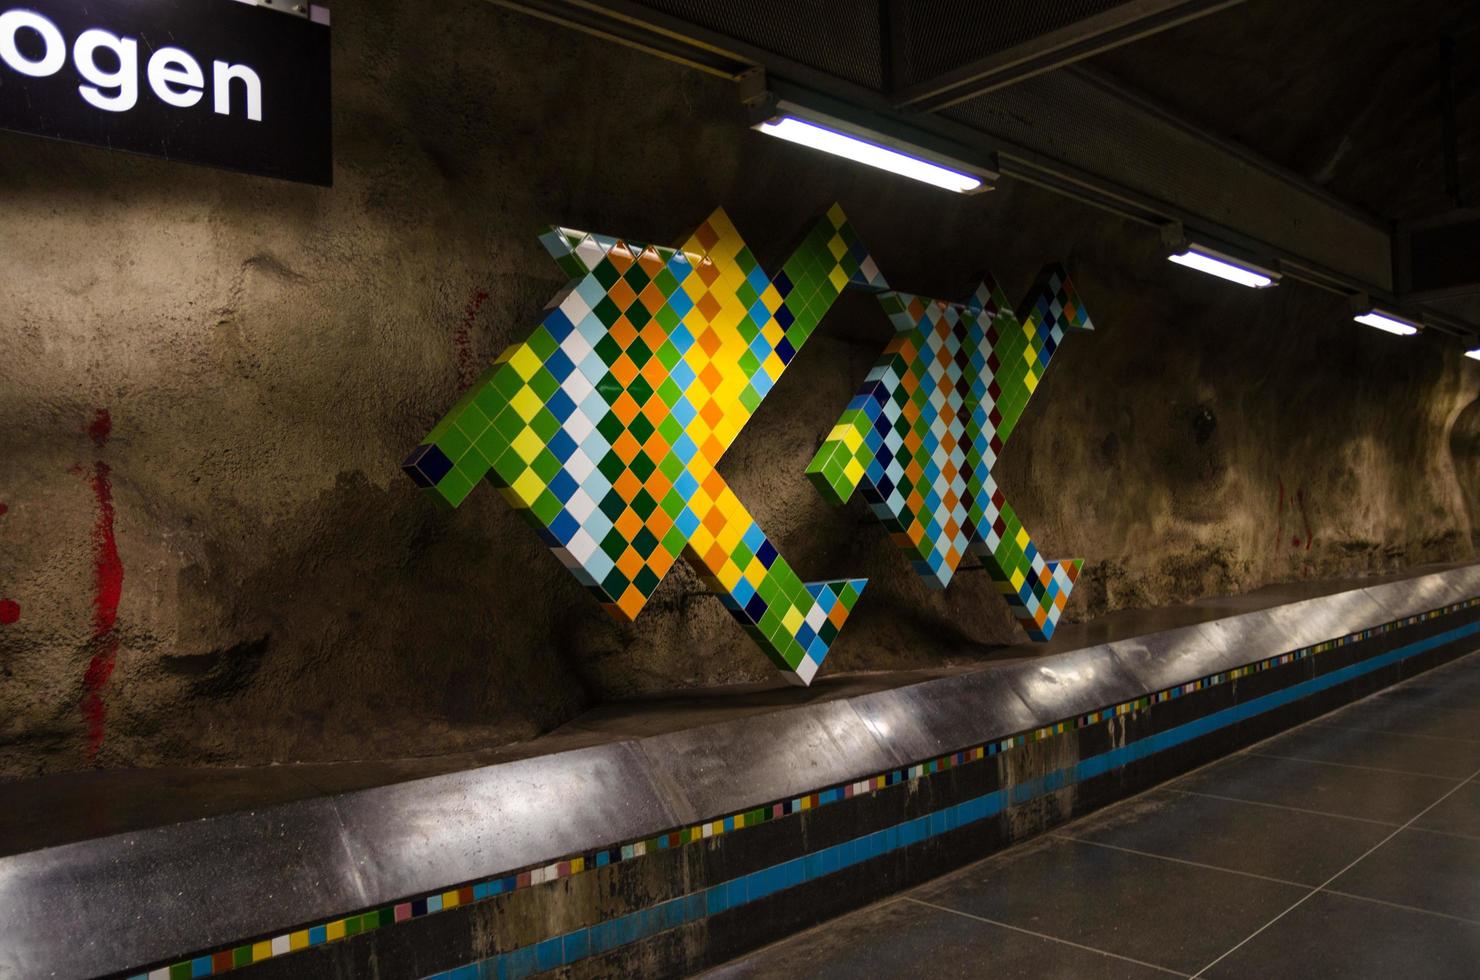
(1349,847)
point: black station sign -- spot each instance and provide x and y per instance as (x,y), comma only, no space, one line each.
(219,82)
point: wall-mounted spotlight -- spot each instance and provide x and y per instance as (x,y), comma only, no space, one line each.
(869,139)
(1216,262)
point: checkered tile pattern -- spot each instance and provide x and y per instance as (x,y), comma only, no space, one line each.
(605,427)
(923,433)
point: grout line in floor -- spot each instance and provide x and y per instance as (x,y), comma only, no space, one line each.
(1349,765)
(1400,905)
(1444,833)
(1044,935)
(718,969)
(1184,861)
(1282,806)
(1322,722)
(1400,704)
(1277,881)
(1317,890)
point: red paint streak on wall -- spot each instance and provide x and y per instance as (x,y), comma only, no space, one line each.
(1296,541)
(101,428)
(1279,533)
(1305,518)
(108,589)
(4,510)
(466,371)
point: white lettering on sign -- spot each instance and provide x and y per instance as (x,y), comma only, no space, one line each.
(108,66)
(176,78)
(12,22)
(123,83)
(224,75)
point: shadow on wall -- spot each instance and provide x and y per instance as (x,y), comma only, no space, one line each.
(386,601)
(1464,452)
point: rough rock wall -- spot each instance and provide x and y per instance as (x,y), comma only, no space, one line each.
(208,382)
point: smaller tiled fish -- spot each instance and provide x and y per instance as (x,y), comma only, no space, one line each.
(923,433)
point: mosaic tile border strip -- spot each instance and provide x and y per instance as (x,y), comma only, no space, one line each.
(603,937)
(246,954)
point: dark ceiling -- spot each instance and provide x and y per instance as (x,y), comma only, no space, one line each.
(1343,92)
(1174,128)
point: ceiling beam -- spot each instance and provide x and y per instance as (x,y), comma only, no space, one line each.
(1073,42)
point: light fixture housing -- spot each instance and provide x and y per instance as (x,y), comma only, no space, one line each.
(819,130)
(1388,321)
(1217,263)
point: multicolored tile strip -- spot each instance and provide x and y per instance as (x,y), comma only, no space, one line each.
(923,432)
(222,961)
(605,428)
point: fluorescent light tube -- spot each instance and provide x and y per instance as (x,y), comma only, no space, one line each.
(1214,264)
(871,154)
(1473,353)
(1388,322)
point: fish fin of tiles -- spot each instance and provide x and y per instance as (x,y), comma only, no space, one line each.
(794,622)
(605,428)
(1049,312)
(921,435)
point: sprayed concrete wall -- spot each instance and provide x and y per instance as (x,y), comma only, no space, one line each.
(208,554)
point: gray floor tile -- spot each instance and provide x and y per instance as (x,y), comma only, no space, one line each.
(1449,690)
(1151,910)
(1332,936)
(1410,717)
(1458,814)
(1452,736)
(1390,797)
(1456,673)
(1422,756)
(906,939)
(1428,871)
(1300,847)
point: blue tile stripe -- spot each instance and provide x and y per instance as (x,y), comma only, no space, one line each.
(606,936)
